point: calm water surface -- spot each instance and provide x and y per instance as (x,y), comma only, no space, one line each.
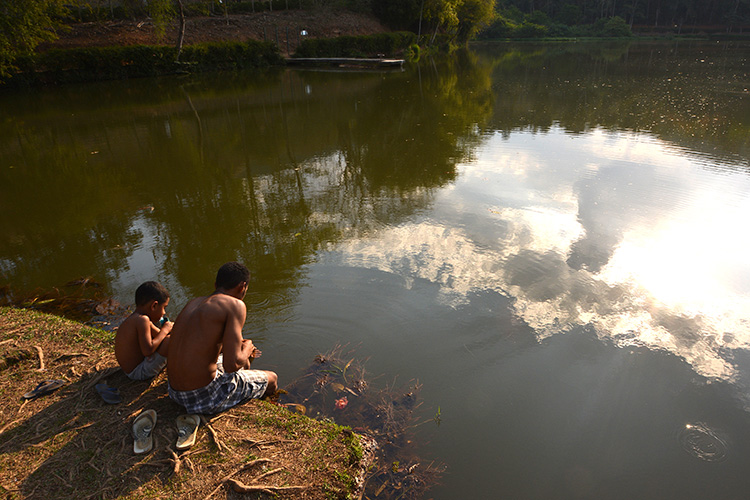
(551,239)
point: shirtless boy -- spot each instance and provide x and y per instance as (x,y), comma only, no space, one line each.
(140,346)
(205,328)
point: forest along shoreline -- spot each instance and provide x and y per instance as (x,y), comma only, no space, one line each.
(71,444)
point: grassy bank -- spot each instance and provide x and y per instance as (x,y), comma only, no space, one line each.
(118,63)
(60,66)
(71,444)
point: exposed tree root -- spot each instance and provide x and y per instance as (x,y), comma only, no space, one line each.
(249,488)
(228,476)
(213,433)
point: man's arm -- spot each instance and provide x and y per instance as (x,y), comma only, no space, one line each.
(236,350)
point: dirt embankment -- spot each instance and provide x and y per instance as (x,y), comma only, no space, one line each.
(283,27)
(70,444)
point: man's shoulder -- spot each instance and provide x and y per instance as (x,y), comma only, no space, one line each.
(225,301)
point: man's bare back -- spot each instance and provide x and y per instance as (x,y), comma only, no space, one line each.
(206,327)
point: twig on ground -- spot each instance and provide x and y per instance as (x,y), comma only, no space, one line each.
(106,373)
(266,474)
(40,353)
(65,357)
(9,424)
(249,488)
(253,442)
(63,481)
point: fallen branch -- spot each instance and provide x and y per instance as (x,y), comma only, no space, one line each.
(41,358)
(249,488)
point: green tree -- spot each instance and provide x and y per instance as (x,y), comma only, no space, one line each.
(473,16)
(163,12)
(24,24)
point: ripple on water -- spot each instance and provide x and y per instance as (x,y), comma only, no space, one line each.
(703,442)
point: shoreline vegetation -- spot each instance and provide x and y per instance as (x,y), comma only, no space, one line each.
(94,42)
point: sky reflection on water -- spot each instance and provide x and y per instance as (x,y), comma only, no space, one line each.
(609,229)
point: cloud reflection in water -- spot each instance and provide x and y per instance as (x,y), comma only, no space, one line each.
(616,230)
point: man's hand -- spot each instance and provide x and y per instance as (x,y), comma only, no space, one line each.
(254,351)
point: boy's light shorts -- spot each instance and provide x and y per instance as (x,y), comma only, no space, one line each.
(149,367)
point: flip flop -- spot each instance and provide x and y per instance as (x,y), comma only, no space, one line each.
(143,428)
(187,429)
(109,394)
(44,388)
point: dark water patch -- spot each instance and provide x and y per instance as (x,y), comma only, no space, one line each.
(336,386)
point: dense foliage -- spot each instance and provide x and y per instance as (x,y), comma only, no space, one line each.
(24,24)
(108,63)
(538,25)
(730,14)
(388,44)
(459,20)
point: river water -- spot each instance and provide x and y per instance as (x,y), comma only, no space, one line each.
(552,239)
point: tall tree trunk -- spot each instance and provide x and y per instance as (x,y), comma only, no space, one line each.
(434,34)
(421,10)
(181,33)
(632,13)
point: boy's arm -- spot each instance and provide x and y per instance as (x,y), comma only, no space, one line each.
(149,336)
(236,350)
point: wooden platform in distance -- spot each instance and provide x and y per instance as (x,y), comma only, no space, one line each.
(345,62)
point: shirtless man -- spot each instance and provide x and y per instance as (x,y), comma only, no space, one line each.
(205,328)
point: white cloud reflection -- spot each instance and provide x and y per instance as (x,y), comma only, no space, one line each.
(611,229)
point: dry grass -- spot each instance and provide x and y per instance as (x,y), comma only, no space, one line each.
(70,444)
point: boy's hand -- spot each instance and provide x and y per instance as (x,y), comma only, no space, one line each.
(167,326)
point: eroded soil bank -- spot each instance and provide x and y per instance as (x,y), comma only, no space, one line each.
(282,27)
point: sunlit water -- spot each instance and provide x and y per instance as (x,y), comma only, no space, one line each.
(551,239)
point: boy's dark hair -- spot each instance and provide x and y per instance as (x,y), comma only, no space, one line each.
(231,274)
(151,290)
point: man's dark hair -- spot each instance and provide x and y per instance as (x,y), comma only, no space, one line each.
(231,274)
(151,290)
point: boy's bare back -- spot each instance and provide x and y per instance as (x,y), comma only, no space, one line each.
(128,348)
(204,328)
